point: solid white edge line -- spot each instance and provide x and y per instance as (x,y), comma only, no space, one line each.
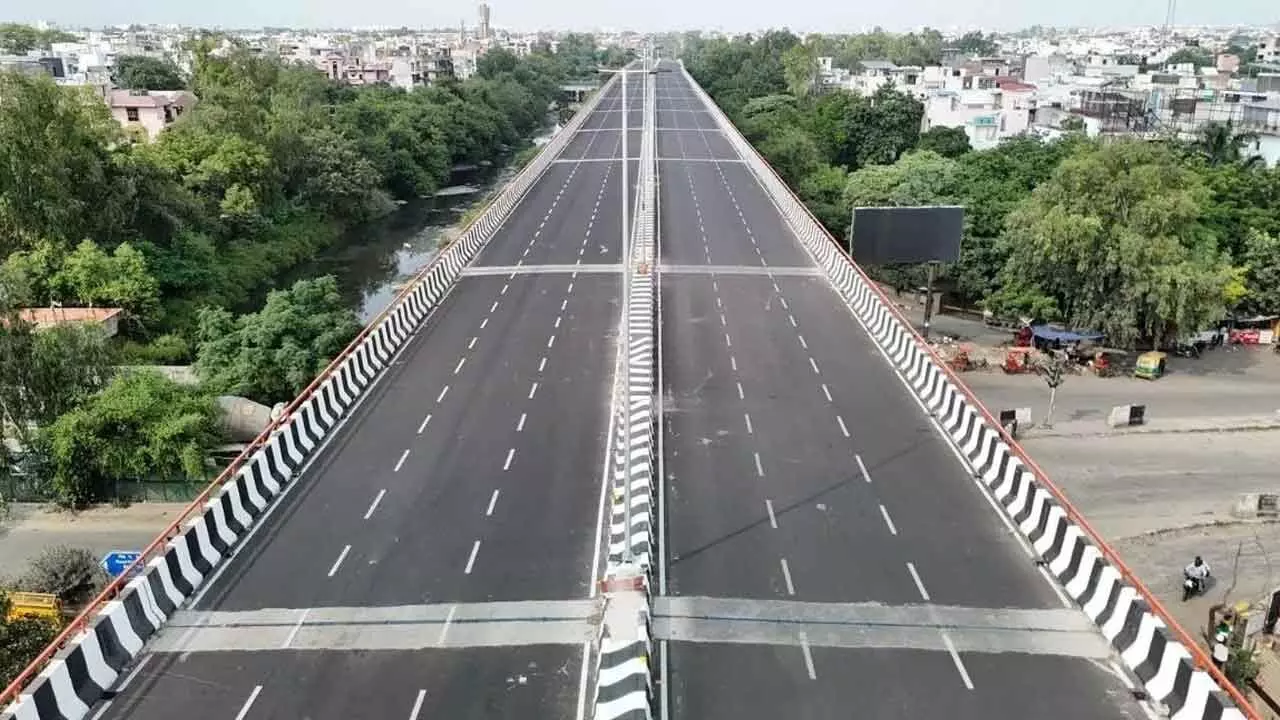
(471,561)
(106,705)
(417,705)
(374,505)
(911,568)
(664,668)
(244,710)
(338,563)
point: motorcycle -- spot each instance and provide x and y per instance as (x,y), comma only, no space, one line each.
(1192,586)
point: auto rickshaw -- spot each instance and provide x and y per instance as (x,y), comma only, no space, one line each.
(1150,365)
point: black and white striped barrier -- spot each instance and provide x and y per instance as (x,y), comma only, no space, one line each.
(1120,606)
(624,677)
(90,663)
(1127,415)
(624,683)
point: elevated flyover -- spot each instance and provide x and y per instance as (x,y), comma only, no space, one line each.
(830,551)
(839,529)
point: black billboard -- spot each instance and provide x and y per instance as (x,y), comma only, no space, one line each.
(894,235)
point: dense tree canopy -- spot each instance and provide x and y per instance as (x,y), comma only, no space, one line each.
(190,232)
(1141,240)
(141,72)
(21,39)
(271,355)
(271,166)
(141,426)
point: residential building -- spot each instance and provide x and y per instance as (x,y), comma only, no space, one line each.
(1269,51)
(149,111)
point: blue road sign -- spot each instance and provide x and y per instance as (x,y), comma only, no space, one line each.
(116,561)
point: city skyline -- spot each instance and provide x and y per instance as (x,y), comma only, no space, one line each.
(799,15)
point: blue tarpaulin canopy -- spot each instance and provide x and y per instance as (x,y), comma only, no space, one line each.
(1048,333)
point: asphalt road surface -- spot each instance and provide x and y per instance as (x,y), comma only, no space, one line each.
(472,472)
(798,468)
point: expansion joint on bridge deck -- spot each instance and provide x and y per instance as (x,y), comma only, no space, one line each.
(513,270)
(763,271)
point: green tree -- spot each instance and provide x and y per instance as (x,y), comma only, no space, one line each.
(18,39)
(90,276)
(1244,199)
(1219,144)
(919,178)
(46,373)
(271,355)
(141,426)
(800,66)
(976,44)
(1195,55)
(1261,260)
(71,574)
(950,142)
(21,641)
(141,72)
(1114,240)
(60,178)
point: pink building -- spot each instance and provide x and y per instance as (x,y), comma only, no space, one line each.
(149,110)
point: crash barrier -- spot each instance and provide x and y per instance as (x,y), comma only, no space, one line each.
(624,677)
(1127,415)
(623,674)
(83,663)
(1256,505)
(1172,668)
(1014,419)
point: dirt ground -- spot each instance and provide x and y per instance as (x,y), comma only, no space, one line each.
(30,528)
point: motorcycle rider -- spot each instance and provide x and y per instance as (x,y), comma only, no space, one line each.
(1198,571)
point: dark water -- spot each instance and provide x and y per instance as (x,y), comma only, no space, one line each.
(373,261)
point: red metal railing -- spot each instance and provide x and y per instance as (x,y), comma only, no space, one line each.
(1198,655)
(196,507)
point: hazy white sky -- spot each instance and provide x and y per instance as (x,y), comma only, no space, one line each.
(646,15)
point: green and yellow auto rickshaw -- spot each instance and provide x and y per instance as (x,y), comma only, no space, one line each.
(1150,365)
